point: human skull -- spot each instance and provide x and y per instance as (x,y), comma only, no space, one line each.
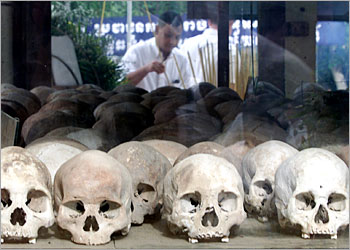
(93,197)
(204,147)
(203,197)
(170,149)
(312,191)
(26,199)
(148,168)
(53,152)
(259,166)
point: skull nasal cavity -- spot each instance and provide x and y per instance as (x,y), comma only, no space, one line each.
(91,222)
(322,215)
(19,216)
(210,219)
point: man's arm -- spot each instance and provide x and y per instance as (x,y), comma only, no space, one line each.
(136,76)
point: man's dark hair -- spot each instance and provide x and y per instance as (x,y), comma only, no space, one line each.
(171,18)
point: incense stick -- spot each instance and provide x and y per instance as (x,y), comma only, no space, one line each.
(231,67)
(178,69)
(237,67)
(189,58)
(202,64)
(213,66)
(209,65)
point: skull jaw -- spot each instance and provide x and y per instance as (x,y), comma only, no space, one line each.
(100,237)
(17,233)
(196,231)
(91,239)
(28,232)
(307,225)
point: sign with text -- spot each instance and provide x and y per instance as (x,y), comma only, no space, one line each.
(142,29)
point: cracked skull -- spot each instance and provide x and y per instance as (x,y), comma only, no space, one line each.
(259,166)
(26,199)
(148,168)
(203,197)
(312,193)
(93,197)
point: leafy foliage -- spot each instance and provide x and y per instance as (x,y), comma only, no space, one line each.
(119,8)
(71,18)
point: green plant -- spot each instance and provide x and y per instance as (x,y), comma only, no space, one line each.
(71,18)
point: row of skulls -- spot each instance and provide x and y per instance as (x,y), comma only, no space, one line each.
(203,195)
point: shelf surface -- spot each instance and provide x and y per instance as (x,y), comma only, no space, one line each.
(155,235)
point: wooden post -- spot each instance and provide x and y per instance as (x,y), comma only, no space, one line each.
(223,49)
(271,20)
(32,44)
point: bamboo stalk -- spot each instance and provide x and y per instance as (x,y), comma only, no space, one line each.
(246,73)
(178,69)
(102,15)
(202,64)
(213,66)
(154,34)
(237,69)
(209,65)
(230,68)
(194,75)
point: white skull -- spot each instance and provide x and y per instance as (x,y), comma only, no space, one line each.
(203,197)
(204,147)
(259,166)
(170,149)
(26,199)
(312,191)
(93,197)
(235,153)
(54,152)
(148,168)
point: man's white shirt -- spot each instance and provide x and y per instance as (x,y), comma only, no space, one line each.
(209,38)
(147,51)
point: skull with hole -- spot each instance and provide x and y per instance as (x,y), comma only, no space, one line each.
(203,197)
(259,166)
(26,199)
(148,168)
(312,193)
(93,197)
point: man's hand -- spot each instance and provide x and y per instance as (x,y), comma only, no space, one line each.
(156,66)
(135,77)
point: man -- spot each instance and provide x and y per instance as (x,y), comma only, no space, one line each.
(151,64)
(208,42)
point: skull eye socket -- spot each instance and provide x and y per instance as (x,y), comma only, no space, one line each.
(75,208)
(109,209)
(5,198)
(146,192)
(37,201)
(227,201)
(336,202)
(190,203)
(305,201)
(263,188)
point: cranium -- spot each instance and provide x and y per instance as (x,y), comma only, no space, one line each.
(148,168)
(53,152)
(204,147)
(93,197)
(170,149)
(26,200)
(259,166)
(312,192)
(203,197)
